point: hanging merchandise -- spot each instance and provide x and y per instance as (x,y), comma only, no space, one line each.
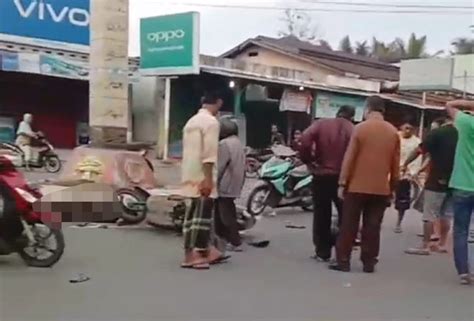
(299,101)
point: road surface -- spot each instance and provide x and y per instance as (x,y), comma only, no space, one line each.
(135,276)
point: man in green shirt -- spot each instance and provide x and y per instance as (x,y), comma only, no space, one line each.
(462,183)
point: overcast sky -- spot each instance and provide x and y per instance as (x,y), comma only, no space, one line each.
(223,28)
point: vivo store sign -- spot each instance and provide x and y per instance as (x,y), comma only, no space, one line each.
(61,23)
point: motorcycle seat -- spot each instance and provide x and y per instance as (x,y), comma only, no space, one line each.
(300,171)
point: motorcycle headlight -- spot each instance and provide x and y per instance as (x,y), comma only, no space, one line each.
(26,195)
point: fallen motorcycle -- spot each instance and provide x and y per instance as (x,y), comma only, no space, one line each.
(285,183)
(21,228)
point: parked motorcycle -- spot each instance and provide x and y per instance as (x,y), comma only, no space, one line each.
(46,156)
(254,160)
(21,228)
(285,183)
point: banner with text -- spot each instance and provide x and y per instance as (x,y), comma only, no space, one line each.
(170,44)
(328,104)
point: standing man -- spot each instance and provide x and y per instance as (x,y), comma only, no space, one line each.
(277,137)
(408,143)
(440,146)
(200,146)
(369,174)
(330,138)
(24,135)
(230,181)
(462,183)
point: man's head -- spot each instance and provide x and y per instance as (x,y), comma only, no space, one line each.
(438,122)
(297,135)
(407,129)
(347,112)
(375,104)
(274,129)
(212,101)
(28,118)
(228,127)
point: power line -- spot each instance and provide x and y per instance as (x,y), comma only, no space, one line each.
(388,5)
(313,9)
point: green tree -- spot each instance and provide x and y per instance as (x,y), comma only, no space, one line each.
(463,46)
(398,49)
(346,45)
(362,49)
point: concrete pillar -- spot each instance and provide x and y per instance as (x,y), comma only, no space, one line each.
(109,116)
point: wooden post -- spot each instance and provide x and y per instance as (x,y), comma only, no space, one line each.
(167,118)
(422,118)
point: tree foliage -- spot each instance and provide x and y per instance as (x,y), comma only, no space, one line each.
(299,24)
(346,45)
(463,46)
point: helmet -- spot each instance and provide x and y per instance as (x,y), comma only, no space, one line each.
(228,127)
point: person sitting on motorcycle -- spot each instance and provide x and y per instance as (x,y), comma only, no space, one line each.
(230,181)
(24,136)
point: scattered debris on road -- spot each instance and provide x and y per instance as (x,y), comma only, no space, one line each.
(80,278)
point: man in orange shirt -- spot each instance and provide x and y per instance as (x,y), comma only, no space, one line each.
(369,174)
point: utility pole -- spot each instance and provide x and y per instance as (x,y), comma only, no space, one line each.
(108,86)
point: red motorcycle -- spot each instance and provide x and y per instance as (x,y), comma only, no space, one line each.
(22,230)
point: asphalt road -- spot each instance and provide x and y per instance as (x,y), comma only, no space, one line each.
(135,275)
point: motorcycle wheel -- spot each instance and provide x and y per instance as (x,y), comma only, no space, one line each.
(52,164)
(307,200)
(256,203)
(43,238)
(133,205)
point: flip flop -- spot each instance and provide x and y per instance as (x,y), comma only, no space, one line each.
(201,266)
(220,259)
(417,251)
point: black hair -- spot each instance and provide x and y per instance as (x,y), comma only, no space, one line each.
(211,97)
(440,120)
(228,127)
(376,103)
(346,111)
(408,121)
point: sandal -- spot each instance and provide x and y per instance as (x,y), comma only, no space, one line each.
(201,266)
(417,251)
(220,259)
(438,249)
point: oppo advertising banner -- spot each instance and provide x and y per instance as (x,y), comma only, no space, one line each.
(62,24)
(170,44)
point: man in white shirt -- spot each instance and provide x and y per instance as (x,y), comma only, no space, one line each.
(199,175)
(408,143)
(24,135)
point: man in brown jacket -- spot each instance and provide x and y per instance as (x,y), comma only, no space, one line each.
(369,174)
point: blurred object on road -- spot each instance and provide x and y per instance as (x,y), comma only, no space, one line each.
(119,168)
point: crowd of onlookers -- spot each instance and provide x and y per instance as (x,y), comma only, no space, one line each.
(360,169)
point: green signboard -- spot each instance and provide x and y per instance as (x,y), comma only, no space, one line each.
(327,104)
(170,44)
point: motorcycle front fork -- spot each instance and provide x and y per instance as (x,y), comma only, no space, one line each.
(28,231)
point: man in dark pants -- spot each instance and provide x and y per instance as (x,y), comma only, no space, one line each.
(369,174)
(323,146)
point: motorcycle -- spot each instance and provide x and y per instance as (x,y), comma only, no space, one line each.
(21,228)
(285,183)
(254,160)
(46,156)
